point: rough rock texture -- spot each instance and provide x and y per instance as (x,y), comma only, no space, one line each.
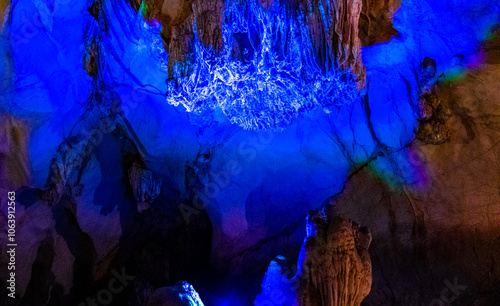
(334,264)
(70,250)
(177,19)
(14,159)
(336,24)
(66,169)
(376,21)
(182,294)
(4,9)
(208,17)
(231,200)
(332,23)
(433,127)
(277,288)
(437,240)
(145,188)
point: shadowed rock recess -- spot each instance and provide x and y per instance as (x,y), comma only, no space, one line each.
(170,152)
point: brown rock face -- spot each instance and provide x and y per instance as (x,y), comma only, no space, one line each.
(209,16)
(346,45)
(340,33)
(4,4)
(14,159)
(375,23)
(91,59)
(433,127)
(177,19)
(446,234)
(334,266)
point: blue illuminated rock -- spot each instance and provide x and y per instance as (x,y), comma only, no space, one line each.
(250,150)
(266,73)
(182,294)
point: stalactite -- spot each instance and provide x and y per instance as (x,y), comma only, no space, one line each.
(265,75)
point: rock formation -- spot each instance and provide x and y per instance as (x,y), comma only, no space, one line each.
(66,169)
(277,288)
(431,229)
(332,23)
(181,294)
(14,159)
(145,188)
(413,156)
(336,24)
(334,266)
(433,127)
(376,21)
(4,8)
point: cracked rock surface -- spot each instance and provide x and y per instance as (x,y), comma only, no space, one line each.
(82,99)
(334,264)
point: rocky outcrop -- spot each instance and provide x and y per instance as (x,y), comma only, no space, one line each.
(431,205)
(277,288)
(333,27)
(433,127)
(209,15)
(181,294)
(376,21)
(442,229)
(334,266)
(66,169)
(145,188)
(44,262)
(4,9)
(14,157)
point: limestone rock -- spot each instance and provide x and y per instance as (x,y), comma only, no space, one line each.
(443,227)
(375,23)
(66,169)
(334,266)
(276,286)
(146,189)
(340,33)
(14,158)
(4,9)
(432,209)
(44,262)
(433,127)
(209,15)
(181,294)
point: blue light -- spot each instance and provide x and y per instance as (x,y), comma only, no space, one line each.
(266,74)
(230,300)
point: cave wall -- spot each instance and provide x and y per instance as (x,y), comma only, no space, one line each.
(73,69)
(442,228)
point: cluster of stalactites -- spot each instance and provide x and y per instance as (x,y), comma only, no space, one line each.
(265,75)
